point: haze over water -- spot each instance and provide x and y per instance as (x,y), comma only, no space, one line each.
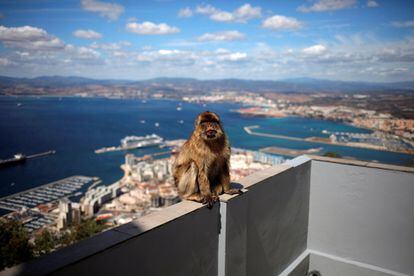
(75,127)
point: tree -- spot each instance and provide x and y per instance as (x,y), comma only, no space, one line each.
(44,243)
(14,243)
(87,228)
(66,238)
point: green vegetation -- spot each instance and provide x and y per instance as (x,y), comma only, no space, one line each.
(87,228)
(14,244)
(16,247)
(332,154)
(44,243)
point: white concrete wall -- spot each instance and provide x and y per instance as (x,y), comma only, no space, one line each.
(355,214)
(266,228)
(326,266)
(180,240)
(185,246)
(363,214)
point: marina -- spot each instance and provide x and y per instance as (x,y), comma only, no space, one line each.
(46,193)
(332,140)
(75,149)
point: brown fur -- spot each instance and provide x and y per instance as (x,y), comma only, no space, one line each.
(201,170)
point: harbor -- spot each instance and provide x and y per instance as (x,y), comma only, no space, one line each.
(31,198)
(289,152)
(331,140)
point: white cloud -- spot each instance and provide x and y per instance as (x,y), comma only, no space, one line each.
(82,53)
(87,34)
(185,12)
(149,28)
(247,12)
(206,9)
(28,37)
(314,50)
(234,57)
(372,4)
(327,5)
(242,14)
(403,24)
(33,47)
(281,23)
(112,11)
(110,46)
(222,16)
(222,36)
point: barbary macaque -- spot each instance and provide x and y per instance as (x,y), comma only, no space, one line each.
(202,168)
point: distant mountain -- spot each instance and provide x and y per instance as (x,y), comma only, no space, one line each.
(286,85)
(172,84)
(56,81)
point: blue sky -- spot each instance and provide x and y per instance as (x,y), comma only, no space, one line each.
(331,39)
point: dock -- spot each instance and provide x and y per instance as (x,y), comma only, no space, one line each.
(41,154)
(20,158)
(320,140)
(46,193)
(289,152)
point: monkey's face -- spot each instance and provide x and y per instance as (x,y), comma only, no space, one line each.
(208,126)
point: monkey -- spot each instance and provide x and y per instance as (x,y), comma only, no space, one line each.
(201,170)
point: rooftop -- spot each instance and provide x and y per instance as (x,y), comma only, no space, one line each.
(336,216)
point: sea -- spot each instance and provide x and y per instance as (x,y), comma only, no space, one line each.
(75,127)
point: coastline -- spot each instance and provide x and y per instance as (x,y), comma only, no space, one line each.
(75,127)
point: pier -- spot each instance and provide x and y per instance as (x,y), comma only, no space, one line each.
(248,129)
(21,158)
(289,152)
(321,140)
(41,154)
(46,193)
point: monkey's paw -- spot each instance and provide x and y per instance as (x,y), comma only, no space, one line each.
(210,200)
(234,192)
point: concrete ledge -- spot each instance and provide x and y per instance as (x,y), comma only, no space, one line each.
(103,241)
(362,163)
(255,178)
(270,229)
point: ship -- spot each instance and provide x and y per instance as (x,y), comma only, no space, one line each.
(107,149)
(132,142)
(17,159)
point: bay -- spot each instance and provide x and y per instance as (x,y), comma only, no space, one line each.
(75,127)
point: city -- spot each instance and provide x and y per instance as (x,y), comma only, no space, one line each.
(117,119)
(147,186)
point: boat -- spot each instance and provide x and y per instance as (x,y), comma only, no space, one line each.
(157,124)
(18,158)
(179,108)
(107,149)
(142,121)
(132,142)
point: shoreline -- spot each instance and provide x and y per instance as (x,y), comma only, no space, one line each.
(320,140)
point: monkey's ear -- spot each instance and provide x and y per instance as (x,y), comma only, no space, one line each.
(197,121)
